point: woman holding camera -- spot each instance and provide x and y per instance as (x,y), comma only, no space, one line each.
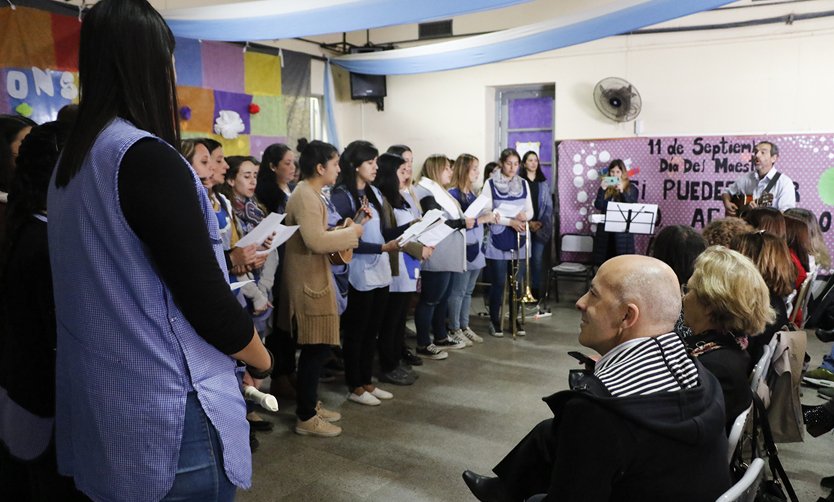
(615,187)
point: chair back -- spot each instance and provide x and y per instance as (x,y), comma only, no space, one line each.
(760,370)
(577,243)
(736,432)
(801,301)
(746,489)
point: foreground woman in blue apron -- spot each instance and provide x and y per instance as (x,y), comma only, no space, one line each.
(149,334)
(510,195)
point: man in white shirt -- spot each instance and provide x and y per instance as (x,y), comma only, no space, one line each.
(755,183)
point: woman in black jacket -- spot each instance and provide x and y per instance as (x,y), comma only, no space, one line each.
(726,300)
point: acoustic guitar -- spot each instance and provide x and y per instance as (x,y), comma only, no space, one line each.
(743,201)
(345,256)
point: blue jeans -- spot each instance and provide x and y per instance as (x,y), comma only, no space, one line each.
(536,264)
(200,474)
(430,313)
(828,361)
(497,275)
(460,298)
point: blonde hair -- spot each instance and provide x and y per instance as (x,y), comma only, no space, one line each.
(460,171)
(733,291)
(434,165)
(721,232)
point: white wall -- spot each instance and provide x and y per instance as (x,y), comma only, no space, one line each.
(767,79)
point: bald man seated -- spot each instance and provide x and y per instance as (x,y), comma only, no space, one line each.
(648,424)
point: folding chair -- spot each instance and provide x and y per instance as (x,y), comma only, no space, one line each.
(576,270)
(746,489)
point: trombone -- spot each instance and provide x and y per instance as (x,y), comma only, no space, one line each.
(517,302)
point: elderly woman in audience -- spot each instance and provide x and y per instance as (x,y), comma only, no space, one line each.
(773,260)
(721,232)
(308,295)
(725,301)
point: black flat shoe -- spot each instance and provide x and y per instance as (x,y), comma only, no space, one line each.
(486,488)
(825,335)
(260,425)
(411,359)
(818,420)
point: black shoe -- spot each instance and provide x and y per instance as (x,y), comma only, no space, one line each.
(397,376)
(486,488)
(411,359)
(260,425)
(825,335)
(818,420)
(253,441)
(827,482)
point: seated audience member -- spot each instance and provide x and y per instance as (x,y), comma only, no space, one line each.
(771,256)
(722,231)
(622,432)
(27,333)
(678,246)
(819,251)
(13,128)
(726,301)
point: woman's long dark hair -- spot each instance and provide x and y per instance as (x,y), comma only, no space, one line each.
(30,183)
(539,173)
(267,190)
(354,155)
(10,127)
(314,153)
(678,246)
(387,180)
(126,69)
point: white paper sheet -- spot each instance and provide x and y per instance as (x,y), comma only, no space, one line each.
(510,210)
(260,233)
(282,235)
(478,205)
(435,234)
(237,285)
(430,219)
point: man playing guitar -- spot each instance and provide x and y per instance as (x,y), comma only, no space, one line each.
(764,184)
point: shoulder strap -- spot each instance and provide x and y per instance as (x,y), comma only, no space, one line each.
(760,420)
(772,182)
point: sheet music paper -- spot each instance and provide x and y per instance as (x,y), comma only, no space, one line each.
(435,234)
(260,233)
(511,210)
(630,218)
(430,219)
(282,235)
(478,205)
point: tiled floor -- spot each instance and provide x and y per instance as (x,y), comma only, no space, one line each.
(463,413)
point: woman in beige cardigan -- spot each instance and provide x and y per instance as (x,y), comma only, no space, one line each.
(308,294)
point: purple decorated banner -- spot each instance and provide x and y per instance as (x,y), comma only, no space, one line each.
(685,176)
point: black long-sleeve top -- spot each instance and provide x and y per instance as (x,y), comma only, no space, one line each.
(429,202)
(341,201)
(157,196)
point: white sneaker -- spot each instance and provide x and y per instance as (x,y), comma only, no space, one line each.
(381,394)
(365,398)
(496,332)
(458,336)
(471,335)
(431,351)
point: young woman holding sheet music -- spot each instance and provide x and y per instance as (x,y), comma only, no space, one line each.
(449,257)
(370,271)
(509,194)
(464,174)
(308,293)
(405,270)
(610,244)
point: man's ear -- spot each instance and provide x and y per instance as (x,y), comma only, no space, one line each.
(632,314)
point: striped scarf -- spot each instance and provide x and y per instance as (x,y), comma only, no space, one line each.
(647,366)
